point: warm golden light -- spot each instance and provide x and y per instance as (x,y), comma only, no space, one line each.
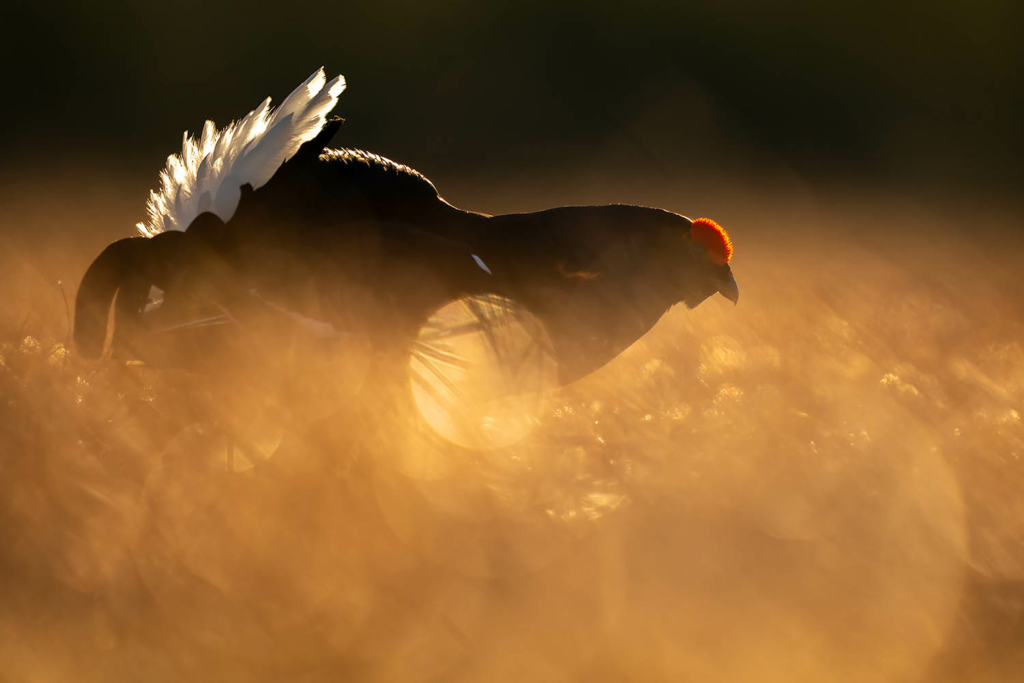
(819,484)
(480,368)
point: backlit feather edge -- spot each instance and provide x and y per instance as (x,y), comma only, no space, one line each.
(210,171)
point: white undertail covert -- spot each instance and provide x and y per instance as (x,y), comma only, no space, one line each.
(209,172)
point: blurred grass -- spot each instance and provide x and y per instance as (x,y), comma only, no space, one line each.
(822,483)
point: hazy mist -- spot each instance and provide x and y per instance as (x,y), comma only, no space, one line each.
(822,483)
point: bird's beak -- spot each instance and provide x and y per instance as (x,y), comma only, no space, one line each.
(729,289)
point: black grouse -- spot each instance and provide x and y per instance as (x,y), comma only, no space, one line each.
(261,231)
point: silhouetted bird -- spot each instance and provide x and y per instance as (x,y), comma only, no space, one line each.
(258,231)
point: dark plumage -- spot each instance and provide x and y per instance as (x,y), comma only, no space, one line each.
(343,242)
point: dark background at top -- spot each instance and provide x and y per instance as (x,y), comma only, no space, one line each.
(917,95)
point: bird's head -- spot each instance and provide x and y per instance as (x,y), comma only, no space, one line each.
(693,257)
(716,246)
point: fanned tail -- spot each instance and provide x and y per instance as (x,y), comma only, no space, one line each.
(208,173)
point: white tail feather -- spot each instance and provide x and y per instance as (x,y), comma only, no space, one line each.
(209,172)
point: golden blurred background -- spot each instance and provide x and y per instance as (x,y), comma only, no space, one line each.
(822,483)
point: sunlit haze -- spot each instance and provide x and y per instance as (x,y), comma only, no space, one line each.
(821,483)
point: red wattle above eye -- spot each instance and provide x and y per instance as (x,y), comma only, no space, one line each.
(712,237)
